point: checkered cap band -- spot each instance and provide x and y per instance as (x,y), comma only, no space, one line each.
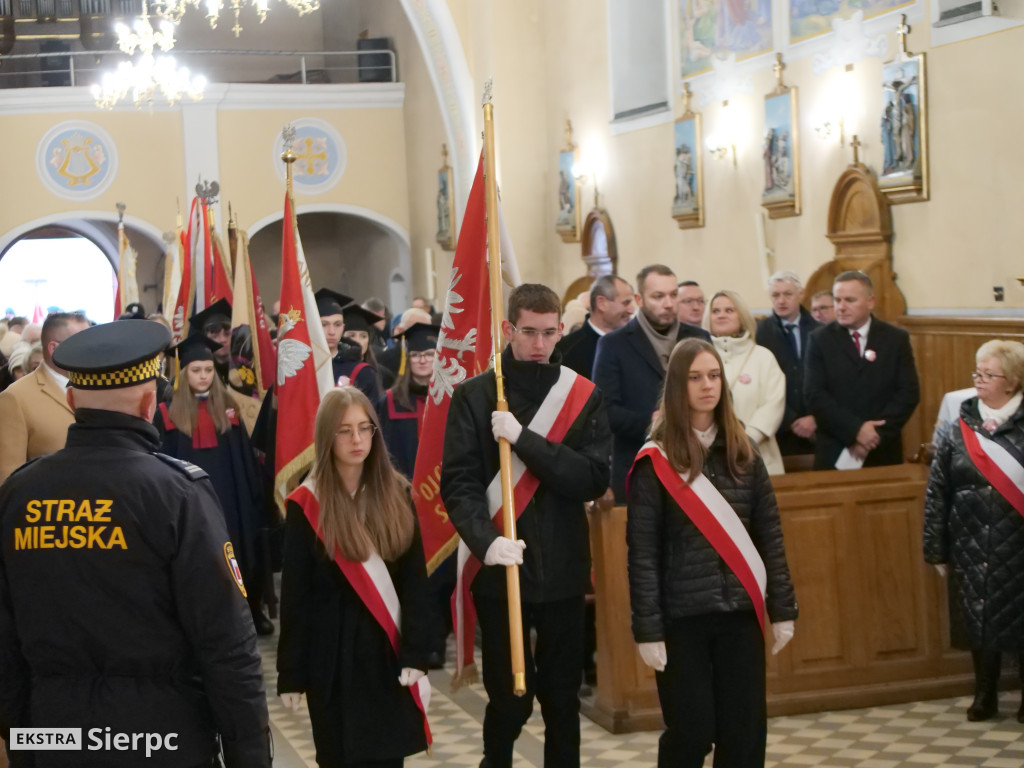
(126,377)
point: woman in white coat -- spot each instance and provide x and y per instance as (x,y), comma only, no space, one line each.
(757,384)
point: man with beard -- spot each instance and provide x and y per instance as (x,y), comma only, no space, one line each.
(630,366)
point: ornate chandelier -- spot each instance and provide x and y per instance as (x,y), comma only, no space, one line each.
(147,73)
(175,9)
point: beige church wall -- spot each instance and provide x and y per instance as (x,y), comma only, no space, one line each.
(374,176)
(973,156)
(149,167)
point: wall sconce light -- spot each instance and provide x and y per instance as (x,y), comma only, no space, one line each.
(829,128)
(721,141)
(591,165)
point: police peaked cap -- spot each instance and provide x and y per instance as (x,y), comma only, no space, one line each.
(218,312)
(113,355)
(359,319)
(194,348)
(420,337)
(330,302)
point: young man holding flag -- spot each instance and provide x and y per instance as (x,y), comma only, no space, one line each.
(560,439)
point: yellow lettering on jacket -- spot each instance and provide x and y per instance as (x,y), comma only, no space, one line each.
(65,510)
(101,513)
(84,511)
(33,511)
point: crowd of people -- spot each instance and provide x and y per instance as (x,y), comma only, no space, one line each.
(678,406)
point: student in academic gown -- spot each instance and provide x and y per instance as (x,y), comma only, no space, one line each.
(697,613)
(346,354)
(359,328)
(200,427)
(351,538)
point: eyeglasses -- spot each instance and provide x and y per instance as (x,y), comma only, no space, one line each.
(365,431)
(547,334)
(427,355)
(986,376)
(702,302)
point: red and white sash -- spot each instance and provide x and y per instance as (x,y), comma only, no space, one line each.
(996,464)
(717,521)
(372,582)
(557,413)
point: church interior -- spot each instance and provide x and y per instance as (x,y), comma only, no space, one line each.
(628,132)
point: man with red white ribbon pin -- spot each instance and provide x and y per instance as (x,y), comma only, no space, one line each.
(560,439)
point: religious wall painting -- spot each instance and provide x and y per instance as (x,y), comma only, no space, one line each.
(810,18)
(445,203)
(76,160)
(709,28)
(320,156)
(780,189)
(904,125)
(688,202)
(567,224)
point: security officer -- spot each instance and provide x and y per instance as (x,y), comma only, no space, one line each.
(122,609)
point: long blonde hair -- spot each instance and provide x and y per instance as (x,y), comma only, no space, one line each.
(184,407)
(673,430)
(378,518)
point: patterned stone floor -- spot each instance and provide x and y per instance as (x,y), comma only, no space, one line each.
(928,733)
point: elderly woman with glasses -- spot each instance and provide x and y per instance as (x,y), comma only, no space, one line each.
(974,518)
(353,604)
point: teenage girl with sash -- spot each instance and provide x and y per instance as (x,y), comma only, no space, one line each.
(706,563)
(974,519)
(354,632)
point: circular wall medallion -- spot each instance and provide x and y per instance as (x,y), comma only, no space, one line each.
(77,160)
(321,156)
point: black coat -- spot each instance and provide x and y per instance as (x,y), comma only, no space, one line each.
(970,526)
(345,364)
(556,563)
(629,373)
(843,390)
(675,572)
(142,630)
(238,481)
(578,350)
(772,335)
(332,649)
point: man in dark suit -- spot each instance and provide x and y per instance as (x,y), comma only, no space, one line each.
(611,307)
(630,366)
(785,333)
(860,382)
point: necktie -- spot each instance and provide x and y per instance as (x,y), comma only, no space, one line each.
(856,341)
(793,339)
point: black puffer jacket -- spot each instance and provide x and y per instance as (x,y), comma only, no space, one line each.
(970,526)
(673,569)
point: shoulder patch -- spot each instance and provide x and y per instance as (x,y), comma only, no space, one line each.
(186,468)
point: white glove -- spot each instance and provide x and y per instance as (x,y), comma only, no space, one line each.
(783,632)
(505,552)
(654,655)
(941,568)
(410,676)
(504,424)
(292,700)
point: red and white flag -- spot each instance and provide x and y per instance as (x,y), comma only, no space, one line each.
(304,371)
(255,373)
(127,283)
(184,304)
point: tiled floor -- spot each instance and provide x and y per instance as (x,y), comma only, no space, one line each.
(929,733)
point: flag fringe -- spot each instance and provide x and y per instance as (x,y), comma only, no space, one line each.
(468,676)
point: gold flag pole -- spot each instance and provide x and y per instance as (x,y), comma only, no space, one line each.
(288,158)
(515,610)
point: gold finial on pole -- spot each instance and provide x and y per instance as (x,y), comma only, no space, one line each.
(855,143)
(288,157)
(515,609)
(488,91)
(901,34)
(121,207)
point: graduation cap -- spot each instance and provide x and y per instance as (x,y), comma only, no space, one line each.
(359,319)
(420,337)
(214,317)
(330,302)
(113,355)
(134,311)
(194,348)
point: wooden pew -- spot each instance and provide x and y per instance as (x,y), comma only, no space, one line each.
(873,626)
